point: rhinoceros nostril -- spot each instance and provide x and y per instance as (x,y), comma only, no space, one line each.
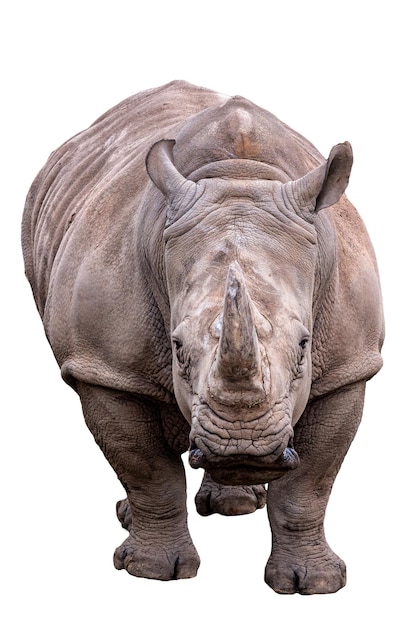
(196,458)
(289,459)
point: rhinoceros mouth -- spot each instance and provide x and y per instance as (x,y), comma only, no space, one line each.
(244,469)
(241,432)
(248,449)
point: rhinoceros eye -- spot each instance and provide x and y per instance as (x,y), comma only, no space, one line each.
(182,357)
(303,343)
(300,361)
(179,349)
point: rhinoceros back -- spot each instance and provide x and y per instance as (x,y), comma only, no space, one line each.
(107,158)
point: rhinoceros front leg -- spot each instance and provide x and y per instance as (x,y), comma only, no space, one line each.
(301,560)
(128,430)
(228,500)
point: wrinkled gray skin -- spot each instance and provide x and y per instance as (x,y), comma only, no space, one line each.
(205,285)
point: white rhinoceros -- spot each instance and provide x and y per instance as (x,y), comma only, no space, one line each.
(205,285)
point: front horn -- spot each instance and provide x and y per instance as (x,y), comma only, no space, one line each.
(238,356)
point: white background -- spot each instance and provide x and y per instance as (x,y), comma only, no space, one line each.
(331,70)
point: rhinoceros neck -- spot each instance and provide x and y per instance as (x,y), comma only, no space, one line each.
(326,264)
(325,294)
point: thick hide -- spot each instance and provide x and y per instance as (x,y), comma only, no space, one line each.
(205,284)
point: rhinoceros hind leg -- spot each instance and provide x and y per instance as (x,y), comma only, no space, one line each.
(228,500)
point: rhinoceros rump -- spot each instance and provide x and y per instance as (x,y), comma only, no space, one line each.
(205,284)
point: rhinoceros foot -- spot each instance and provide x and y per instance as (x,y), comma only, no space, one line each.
(228,500)
(160,560)
(316,571)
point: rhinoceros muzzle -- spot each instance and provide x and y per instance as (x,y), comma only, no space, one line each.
(238,435)
(244,469)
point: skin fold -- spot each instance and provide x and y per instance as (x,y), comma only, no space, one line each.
(205,285)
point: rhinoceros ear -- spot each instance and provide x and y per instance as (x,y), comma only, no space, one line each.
(324,185)
(163,173)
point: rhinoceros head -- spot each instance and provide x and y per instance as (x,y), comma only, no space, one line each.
(241,257)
